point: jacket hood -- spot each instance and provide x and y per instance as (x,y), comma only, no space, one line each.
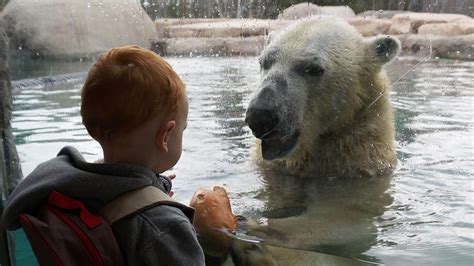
(93,183)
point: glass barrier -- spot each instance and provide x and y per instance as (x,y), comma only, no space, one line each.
(363,153)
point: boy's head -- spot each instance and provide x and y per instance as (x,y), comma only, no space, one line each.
(126,89)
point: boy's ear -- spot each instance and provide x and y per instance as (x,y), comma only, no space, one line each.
(163,135)
(383,48)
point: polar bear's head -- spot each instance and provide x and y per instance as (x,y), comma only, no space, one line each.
(314,79)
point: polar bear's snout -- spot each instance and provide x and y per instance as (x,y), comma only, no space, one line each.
(271,119)
(261,121)
(265,114)
(262,115)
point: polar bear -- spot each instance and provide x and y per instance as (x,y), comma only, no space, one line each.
(322,105)
(322,109)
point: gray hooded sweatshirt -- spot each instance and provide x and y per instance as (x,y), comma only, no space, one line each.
(161,235)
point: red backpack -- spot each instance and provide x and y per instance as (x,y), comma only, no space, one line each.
(65,232)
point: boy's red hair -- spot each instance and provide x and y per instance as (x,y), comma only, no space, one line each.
(126,87)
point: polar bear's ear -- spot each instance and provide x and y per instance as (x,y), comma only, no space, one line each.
(383,48)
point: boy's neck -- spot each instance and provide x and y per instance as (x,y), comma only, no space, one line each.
(127,155)
(129,150)
(137,147)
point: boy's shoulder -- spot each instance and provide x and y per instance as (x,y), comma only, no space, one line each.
(157,235)
(158,220)
(164,218)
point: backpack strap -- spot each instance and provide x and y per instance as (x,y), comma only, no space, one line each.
(139,200)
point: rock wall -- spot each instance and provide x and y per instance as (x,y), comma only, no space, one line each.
(214,37)
(423,34)
(69,29)
(411,22)
(442,35)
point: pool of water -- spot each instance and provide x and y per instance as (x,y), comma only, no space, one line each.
(423,215)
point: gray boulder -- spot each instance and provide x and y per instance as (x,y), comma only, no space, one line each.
(338,11)
(301,10)
(68,29)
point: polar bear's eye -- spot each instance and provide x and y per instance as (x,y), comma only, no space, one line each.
(265,63)
(268,59)
(314,70)
(308,68)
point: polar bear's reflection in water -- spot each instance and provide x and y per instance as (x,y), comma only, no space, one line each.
(333,217)
(306,222)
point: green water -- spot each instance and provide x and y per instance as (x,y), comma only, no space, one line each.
(423,216)
(23,252)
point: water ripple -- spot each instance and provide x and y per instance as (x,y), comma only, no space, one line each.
(428,216)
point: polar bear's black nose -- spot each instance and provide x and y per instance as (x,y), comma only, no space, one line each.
(261,121)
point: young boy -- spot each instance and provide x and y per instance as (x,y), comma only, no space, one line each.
(135,106)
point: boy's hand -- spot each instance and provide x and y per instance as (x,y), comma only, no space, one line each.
(171,177)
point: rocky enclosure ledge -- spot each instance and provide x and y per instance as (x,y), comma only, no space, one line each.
(442,35)
(68,30)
